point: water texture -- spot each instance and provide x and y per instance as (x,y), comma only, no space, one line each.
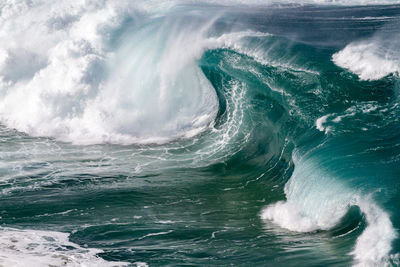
(199,133)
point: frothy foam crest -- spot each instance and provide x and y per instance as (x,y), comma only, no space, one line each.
(286,215)
(364,60)
(319,123)
(315,200)
(149,89)
(371,59)
(46,248)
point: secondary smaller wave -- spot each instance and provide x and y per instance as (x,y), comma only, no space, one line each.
(373,58)
(318,201)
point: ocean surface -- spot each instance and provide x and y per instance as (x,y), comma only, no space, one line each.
(199,133)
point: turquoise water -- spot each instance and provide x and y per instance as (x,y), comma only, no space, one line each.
(168,134)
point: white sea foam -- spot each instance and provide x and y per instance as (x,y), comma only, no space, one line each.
(286,215)
(46,248)
(319,123)
(315,200)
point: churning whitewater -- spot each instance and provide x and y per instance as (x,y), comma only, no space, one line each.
(165,133)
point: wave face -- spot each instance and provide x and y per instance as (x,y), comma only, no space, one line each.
(172,132)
